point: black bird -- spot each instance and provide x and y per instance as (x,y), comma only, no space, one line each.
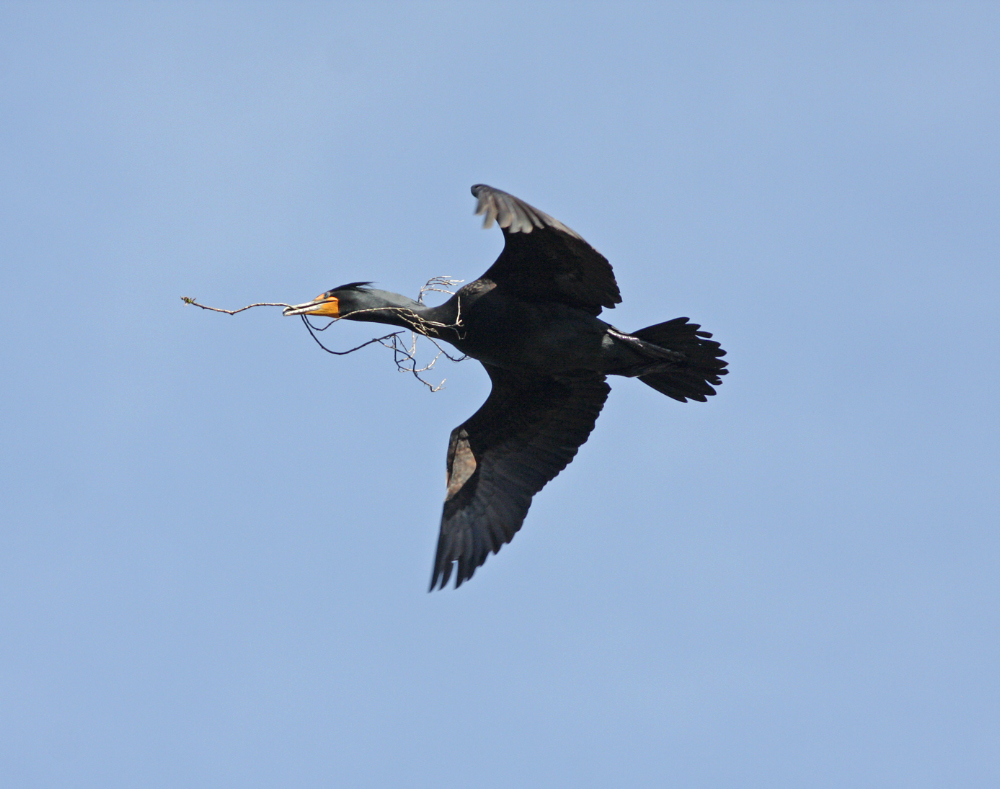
(531,320)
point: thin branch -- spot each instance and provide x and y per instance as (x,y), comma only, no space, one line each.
(194,302)
(313,329)
(438,285)
(405,357)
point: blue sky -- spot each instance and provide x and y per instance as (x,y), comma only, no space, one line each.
(217,538)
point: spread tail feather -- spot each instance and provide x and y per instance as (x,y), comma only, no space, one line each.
(694,377)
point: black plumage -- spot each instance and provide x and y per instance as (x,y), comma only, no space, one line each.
(531,320)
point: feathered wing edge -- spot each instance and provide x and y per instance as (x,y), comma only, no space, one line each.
(527,431)
(544,259)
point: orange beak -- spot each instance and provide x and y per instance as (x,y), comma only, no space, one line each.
(322,305)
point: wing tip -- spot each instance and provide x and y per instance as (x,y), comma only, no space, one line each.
(442,575)
(510,213)
(485,206)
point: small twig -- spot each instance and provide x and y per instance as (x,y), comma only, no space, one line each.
(405,357)
(448,356)
(438,285)
(194,303)
(313,329)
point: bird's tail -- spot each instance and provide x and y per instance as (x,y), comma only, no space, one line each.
(693,376)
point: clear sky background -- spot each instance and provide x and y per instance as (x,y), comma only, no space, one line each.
(217,539)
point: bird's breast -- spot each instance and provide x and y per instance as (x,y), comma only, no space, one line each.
(544,338)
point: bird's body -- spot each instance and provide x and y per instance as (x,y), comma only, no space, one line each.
(498,329)
(543,338)
(531,320)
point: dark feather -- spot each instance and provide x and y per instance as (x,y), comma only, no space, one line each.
(542,259)
(354,286)
(527,431)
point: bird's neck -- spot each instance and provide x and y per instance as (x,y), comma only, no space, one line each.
(396,310)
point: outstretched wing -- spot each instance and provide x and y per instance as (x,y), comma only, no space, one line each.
(528,429)
(542,259)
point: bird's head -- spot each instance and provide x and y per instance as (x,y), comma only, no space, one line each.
(336,303)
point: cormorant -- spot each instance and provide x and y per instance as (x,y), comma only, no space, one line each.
(531,320)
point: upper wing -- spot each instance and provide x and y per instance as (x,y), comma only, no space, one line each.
(528,429)
(542,259)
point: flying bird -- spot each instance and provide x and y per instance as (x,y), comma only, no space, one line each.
(531,321)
